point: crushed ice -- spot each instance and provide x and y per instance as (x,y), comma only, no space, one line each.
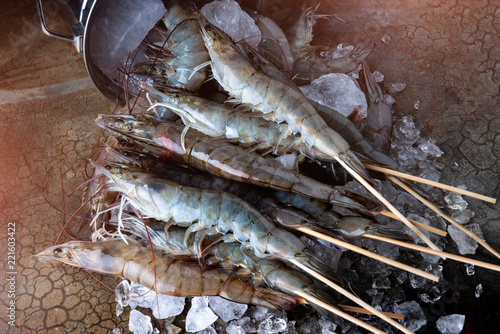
(228,16)
(337,91)
(451,324)
(199,316)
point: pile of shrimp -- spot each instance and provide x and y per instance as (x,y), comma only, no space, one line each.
(187,197)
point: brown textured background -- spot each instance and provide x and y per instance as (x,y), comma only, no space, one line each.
(447,52)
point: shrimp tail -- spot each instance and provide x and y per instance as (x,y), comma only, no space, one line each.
(310,261)
(273,299)
(363,49)
(388,232)
(327,298)
(363,201)
(352,161)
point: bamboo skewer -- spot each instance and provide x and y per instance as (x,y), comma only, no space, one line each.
(445,216)
(417,224)
(355,309)
(351,297)
(431,183)
(338,312)
(435,252)
(361,310)
(388,205)
(370,254)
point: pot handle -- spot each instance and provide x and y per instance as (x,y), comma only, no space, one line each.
(76,40)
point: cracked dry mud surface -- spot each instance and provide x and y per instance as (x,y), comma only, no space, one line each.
(447,52)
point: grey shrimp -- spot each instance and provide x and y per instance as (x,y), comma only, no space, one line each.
(166,274)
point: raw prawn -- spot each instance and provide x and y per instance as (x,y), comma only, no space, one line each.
(230,256)
(279,101)
(221,158)
(216,211)
(378,125)
(180,62)
(219,120)
(326,222)
(173,277)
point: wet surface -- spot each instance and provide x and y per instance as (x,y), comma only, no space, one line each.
(447,52)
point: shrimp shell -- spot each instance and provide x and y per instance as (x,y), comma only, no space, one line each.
(173,277)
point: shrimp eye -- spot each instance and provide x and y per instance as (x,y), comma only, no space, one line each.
(57,251)
(108,167)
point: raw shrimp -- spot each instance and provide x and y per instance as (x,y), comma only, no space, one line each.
(230,256)
(378,125)
(348,227)
(308,66)
(221,158)
(308,69)
(279,101)
(275,42)
(329,223)
(180,62)
(173,277)
(218,212)
(219,120)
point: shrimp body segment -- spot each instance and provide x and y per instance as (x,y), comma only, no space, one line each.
(173,277)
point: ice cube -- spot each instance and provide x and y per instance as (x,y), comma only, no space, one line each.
(140,296)
(463,217)
(455,201)
(122,292)
(169,306)
(260,313)
(405,132)
(465,244)
(336,91)
(225,309)
(416,105)
(479,290)
(414,315)
(208,330)
(379,77)
(272,326)
(234,328)
(139,323)
(386,39)
(429,147)
(389,99)
(228,16)
(396,87)
(469,268)
(430,173)
(338,52)
(199,316)
(451,324)
(381,283)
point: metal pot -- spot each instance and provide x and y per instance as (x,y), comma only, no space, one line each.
(87,36)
